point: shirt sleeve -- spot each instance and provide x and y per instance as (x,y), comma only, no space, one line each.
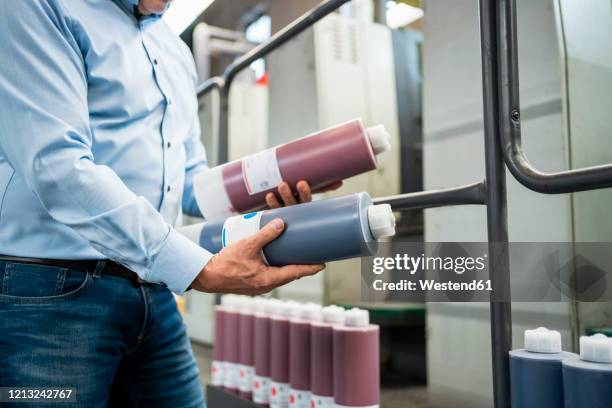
(46,138)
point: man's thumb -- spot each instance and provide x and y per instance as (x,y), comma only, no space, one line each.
(269,233)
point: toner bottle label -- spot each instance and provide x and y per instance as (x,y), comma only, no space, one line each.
(239,227)
(279,395)
(216,373)
(261,389)
(245,377)
(230,378)
(322,402)
(260,171)
(299,399)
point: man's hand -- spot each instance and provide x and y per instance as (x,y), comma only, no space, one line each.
(239,268)
(304,193)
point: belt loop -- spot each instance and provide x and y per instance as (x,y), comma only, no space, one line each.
(99,268)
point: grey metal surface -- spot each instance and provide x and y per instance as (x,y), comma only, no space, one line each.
(462,195)
(406,52)
(407,46)
(533,111)
(497,209)
(588,178)
(453,97)
(214,83)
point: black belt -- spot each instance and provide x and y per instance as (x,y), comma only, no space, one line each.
(97,267)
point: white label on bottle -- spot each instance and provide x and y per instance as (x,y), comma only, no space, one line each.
(240,226)
(211,195)
(216,373)
(260,171)
(299,399)
(279,395)
(322,402)
(230,377)
(245,377)
(261,389)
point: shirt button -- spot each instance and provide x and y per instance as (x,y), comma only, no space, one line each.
(168,189)
(169,145)
(155,61)
(169,101)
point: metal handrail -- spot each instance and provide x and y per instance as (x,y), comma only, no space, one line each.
(281,37)
(497,211)
(588,178)
(463,195)
(290,31)
(502,144)
(491,193)
(210,84)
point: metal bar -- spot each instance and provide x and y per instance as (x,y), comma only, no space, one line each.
(223,147)
(209,85)
(589,178)
(463,195)
(497,217)
(281,37)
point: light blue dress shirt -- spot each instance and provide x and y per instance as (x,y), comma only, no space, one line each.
(99,137)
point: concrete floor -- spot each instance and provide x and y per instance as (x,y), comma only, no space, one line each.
(408,397)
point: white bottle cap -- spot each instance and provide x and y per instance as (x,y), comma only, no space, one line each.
(245,304)
(287,308)
(272,306)
(596,348)
(237,301)
(356,317)
(542,340)
(296,312)
(313,312)
(381,220)
(258,304)
(230,302)
(333,314)
(380,139)
(307,311)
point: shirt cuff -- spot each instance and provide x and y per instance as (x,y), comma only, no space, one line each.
(178,263)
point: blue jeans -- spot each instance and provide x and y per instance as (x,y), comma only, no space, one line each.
(116,342)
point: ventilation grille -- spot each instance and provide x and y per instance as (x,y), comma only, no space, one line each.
(345,43)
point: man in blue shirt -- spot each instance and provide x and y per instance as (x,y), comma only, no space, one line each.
(99,143)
